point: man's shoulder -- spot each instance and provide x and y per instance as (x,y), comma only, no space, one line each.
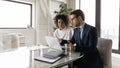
(89,26)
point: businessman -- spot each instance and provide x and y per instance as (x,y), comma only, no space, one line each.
(85,38)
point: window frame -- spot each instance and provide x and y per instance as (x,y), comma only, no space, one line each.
(28,26)
(98,22)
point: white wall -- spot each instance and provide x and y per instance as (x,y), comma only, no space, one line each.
(54,6)
(41,28)
(28,33)
(71,4)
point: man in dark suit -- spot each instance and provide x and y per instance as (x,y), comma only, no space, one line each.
(85,38)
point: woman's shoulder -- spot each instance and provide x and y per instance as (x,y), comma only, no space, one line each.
(69,28)
(56,30)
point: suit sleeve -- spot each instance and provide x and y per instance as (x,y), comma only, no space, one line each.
(66,41)
(72,40)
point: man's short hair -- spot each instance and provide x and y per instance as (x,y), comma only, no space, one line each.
(78,13)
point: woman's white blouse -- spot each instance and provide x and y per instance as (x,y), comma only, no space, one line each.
(65,33)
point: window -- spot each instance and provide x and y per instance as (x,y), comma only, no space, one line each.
(15,14)
(88,7)
(110,21)
(107,19)
(77,4)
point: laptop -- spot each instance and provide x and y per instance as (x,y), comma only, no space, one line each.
(55,49)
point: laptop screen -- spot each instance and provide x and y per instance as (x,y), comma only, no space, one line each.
(53,42)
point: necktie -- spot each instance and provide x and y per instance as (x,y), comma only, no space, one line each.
(79,32)
(79,36)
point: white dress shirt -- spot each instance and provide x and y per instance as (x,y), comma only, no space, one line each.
(81,28)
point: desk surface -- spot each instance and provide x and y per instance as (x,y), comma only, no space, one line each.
(23,57)
(61,62)
(15,58)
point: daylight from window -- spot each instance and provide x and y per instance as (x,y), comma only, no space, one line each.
(88,7)
(77,2)
(14,15)
(110,21)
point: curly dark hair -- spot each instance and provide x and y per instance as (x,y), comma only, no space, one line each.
(63,17)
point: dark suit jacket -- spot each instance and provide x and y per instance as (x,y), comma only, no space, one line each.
(87,45)
(89,39)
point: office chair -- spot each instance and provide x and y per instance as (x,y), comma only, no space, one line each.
(105,50)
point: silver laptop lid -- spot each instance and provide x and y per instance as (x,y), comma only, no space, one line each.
(53,43)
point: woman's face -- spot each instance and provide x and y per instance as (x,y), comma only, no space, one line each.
(61,24)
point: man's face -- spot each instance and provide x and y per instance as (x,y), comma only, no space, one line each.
(76,21)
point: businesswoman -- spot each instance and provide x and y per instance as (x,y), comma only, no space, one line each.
(63,31)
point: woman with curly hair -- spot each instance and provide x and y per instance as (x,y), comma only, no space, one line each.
(63,31)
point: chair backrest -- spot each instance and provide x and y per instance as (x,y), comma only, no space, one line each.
(105,50)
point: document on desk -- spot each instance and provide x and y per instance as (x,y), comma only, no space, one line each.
(48,60)
(55,49)
(54,52)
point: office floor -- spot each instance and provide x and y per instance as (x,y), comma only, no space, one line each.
(115,60)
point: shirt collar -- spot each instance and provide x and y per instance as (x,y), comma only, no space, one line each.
(81,26)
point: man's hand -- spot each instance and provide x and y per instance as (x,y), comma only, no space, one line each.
(70,46)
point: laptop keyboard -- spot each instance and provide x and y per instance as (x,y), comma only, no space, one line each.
(53,54)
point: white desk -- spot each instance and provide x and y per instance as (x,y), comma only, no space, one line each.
(23,57)
(61,62)
(15,58)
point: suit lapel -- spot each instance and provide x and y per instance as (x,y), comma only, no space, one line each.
(84,31)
